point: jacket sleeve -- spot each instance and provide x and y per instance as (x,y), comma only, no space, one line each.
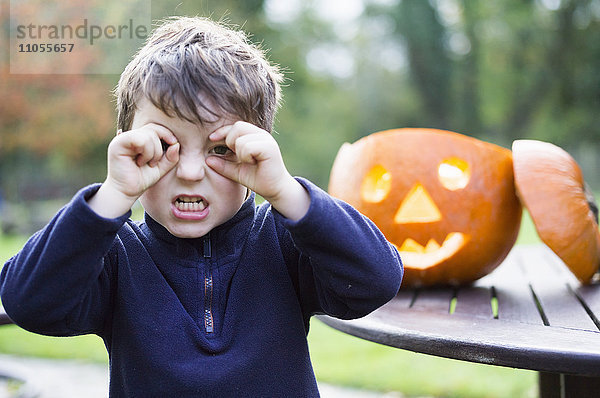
(59,283)
(344,266)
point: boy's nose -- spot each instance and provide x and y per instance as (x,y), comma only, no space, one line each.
(191,168)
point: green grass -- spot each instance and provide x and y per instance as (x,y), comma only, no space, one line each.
(527,233)
(337,358)
(10,245)
(14,340)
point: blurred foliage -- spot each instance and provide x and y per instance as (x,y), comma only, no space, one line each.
(494,70)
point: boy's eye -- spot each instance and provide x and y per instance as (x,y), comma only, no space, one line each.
(221,150)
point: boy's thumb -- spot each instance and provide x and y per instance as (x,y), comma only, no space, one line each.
(225,168)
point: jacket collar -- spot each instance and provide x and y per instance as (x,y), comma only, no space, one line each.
(228,234)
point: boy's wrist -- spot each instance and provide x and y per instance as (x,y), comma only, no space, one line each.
(293,201)
(109,202)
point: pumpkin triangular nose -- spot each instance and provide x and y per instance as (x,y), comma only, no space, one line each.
(417,207)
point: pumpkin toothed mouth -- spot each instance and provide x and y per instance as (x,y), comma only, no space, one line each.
(414,255)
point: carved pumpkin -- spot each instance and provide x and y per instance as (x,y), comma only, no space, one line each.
(550,185)
(447,201)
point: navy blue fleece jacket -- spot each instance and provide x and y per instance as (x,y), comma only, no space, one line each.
(224,315)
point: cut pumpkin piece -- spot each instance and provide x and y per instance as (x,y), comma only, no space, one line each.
(550,185)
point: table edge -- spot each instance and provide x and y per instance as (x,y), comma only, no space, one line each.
(486,341)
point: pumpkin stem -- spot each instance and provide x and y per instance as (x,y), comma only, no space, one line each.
(591,200)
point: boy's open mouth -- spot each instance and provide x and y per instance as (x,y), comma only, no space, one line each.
(190,203)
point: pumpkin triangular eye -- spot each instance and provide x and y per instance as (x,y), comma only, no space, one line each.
(417,207)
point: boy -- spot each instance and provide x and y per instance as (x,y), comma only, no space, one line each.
(209,295)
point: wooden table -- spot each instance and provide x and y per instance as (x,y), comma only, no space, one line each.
(4,319)
(530,313)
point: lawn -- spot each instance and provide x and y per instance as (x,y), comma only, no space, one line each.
(337,358)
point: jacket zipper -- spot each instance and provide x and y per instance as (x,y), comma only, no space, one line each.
(208,288)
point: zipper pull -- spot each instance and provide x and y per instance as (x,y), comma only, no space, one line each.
(206,249)
(208,293)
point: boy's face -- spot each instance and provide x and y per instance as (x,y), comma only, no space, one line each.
(191,199)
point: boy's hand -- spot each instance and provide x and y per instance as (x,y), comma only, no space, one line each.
(258,165)
(136,161)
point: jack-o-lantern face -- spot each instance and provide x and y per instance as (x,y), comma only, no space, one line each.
(447,201)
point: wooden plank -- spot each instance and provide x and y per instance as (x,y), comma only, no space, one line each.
(590,294)
(515,299)
(405,297)
(506,273)
(400,303)
(585,319)
(434,299)
(590,297)
(550,285)
(474,301)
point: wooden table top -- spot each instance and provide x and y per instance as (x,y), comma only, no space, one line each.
(530,313)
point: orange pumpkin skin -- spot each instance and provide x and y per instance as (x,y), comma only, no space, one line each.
(394,177)
(551,187)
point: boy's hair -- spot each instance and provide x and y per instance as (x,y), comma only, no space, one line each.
(191,66)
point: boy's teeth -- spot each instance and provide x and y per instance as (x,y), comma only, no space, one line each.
(190,204)
(189,199)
